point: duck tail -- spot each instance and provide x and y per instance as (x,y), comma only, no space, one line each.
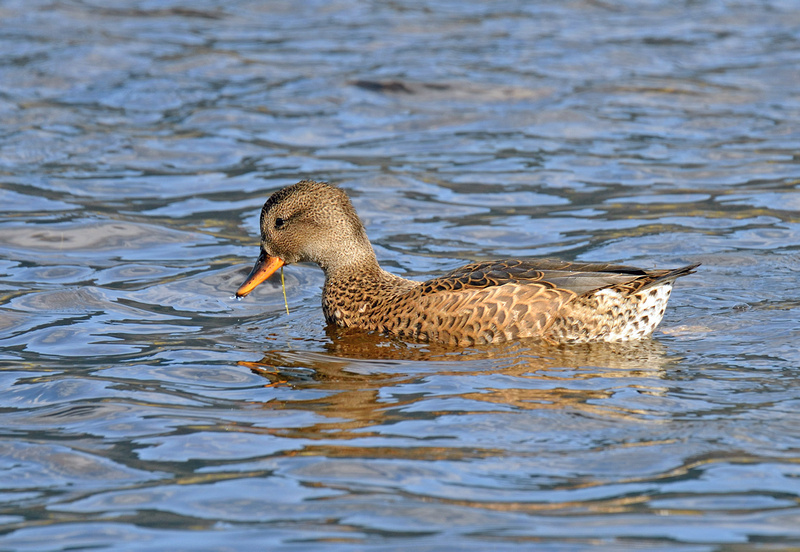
(669,276)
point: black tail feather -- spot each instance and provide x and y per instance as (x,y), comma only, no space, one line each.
(672,275)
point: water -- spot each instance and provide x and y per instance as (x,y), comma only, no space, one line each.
(143,408)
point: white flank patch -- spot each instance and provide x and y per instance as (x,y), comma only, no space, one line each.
(645,304)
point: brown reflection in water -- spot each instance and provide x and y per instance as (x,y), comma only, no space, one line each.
(369,380)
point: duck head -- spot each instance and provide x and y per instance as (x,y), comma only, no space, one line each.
(308,222)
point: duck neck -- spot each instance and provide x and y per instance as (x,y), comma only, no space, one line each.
(349,262)
(358,291)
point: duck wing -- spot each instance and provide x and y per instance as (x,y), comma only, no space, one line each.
(574,277)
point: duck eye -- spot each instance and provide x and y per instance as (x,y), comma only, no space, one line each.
(279,222)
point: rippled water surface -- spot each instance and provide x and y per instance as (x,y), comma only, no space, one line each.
(143,408)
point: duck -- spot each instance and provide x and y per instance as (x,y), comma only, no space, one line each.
(480,303)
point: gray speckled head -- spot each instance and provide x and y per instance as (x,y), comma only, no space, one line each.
(314,222)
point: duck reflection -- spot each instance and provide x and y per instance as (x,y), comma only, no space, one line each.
(368,380)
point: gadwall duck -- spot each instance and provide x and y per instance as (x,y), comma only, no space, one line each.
(483,302)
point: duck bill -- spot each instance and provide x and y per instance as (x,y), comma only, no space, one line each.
(264,268)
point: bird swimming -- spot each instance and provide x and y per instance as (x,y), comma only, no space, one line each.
(481,302)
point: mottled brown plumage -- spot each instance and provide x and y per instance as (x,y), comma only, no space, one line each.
(482,302)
